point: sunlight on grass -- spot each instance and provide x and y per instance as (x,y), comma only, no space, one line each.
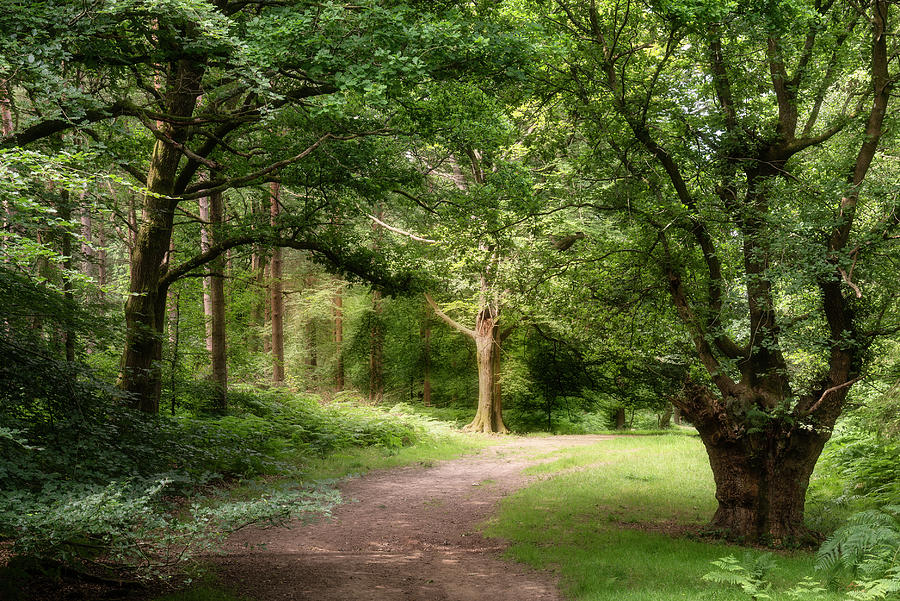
(359,460)
(608,517)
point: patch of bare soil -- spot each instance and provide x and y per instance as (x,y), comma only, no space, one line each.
(407,534)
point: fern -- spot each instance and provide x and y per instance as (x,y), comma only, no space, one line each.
(868,547)
(750,574)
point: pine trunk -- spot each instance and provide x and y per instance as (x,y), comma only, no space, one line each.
(339,338)
(376,353)
(276,298)
(218,354)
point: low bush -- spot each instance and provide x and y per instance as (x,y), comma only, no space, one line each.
(120,494)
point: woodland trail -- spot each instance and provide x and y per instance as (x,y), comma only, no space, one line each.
(408,534)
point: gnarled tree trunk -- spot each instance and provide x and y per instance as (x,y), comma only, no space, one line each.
(761,475)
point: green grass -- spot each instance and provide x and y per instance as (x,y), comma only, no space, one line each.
(612,520)
(358,460)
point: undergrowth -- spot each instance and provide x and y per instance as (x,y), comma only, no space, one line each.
(126,496)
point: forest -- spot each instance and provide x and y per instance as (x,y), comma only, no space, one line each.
(623,270)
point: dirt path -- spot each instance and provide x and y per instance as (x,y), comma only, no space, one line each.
(406,534)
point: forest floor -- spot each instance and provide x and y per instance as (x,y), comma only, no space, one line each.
(407,534)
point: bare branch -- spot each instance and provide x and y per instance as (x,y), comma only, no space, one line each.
(399,231)
(449,320)
(825,394)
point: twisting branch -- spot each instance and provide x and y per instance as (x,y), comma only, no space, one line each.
(447,319)
(825,394)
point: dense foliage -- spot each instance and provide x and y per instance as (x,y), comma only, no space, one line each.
(225,226)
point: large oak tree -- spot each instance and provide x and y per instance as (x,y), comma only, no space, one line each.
(740,148)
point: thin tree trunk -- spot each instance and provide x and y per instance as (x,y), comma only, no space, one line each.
(174,341)
(218,349)
(376,347)
(6,128)
(42,267)
(65,214)
(376,352)
(276,299)
(88,254)
(267,307)
(339,338)
(205,243)
(102,277)
(257,309)
(426,361)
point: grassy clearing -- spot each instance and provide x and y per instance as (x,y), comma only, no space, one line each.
(442,443)
(611,519)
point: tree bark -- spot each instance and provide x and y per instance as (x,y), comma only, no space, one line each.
(339,338)
(140,374)
(489,415)
(65,213)
(205,243)
(665,420)
(276,298)
(218,350)
(376,352)
(487,337)
(761,477)
(311,360)
(258,274)
(426,361)
(88,254)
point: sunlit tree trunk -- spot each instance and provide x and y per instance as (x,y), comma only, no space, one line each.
(487,337)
